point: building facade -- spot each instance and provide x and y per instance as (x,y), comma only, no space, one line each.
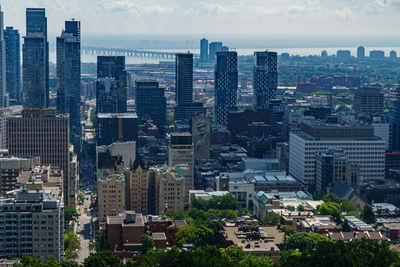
(214,47)
(13,64)
(368,100)
(116,127)
(3,74)
(265,78)
(203,50)
(111,195)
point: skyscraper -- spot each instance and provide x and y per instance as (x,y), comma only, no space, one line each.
(360,52)
(13,64)
(265,78)
(3,81)
(203,50)
(214,47)
(151,104)
(111,88)
(36,60)
(69,77)
(226,85)
(396,125)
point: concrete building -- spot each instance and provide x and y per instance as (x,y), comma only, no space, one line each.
(69,77)
(111,195)
(3,70)
(265,78)
(35,66)
(32,223)
(41,177)
(116,127)
(225,85)
(42,133)
(13,64)
(10,169)
(181,153)
(126,150)
(395,137)
(201,129)
(203,50)
(360,52)
(359,143)
(5,113)
(377,54)
(368,100)
(138,187)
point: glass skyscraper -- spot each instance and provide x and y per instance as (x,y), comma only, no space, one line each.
(13,64)
(203,50)
(265,78)
(3,83)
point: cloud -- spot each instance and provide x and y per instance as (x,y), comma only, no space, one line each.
(345,13)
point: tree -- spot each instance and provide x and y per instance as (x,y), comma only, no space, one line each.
(346,226)
(288,230)
(70,214)
(368,215)
(376,195)
(196,235)
(301,241)
(32,261)
(100,240)
(290,208)
(71,244)
(331,208)
(300,207)
(271,218)
(147,243)
(103,258)
(251,261)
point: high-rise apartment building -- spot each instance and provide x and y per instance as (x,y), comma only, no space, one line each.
(43,133)
(226,85)
(111,87)
(111,195)
(69,78)
(265,78)
(185,108)
(361,52)
(359,143)
(368,100)
(181,154)
(3,75)
(203,50)
(32,223)
(151,104)
(13,64)
(214,47)
(395,138)
(137,187)
(5,113)
(35,66)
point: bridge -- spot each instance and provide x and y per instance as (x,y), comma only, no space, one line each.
(93,50)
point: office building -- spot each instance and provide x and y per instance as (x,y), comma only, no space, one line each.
(203,50)
(13,64)
(42,133)
(35,66)
(69,78)
(226,85)
(343,53)
(359,143)
(32,224)
(360,52)
(377,54)
(151,104)
(138,187)
(125,150)
(324,53)
(111,86)
(41,177)
(395,138)
(368,100)
(111,195)
(332,166)
(185,108)
(393,54)
(10,169)
(5,113)
(181,153)
(214,48)
(265,78)
(201,130)
(116,127)
(3,74)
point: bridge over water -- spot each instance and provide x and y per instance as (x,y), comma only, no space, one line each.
(128,52)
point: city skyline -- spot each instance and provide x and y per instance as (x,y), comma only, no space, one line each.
(291,17)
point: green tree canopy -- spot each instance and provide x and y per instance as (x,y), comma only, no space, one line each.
(103,258)
(331,208)
(368,215)
(147,243)
(71,244)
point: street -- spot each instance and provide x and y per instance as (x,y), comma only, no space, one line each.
(84,228)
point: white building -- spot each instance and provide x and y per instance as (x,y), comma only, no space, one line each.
(358,142)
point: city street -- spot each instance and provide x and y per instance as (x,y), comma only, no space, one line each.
(85,228)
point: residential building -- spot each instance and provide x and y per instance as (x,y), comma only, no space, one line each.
(343,53)
(13,64)
(42,133)
(360,52)
(126,150)
(41,177)
(265,78)
(201,129)
(214,47)
(226,85)
(3,73)
(111,86)
(35,66)
(395,137)
(138,187)
(377,54)
(116,127)
(151,104)
(111,195)
(5,113)
(203,50)
(69,78)
(393,55)
(358,141)
(32,224)
(368,100)
(181,153)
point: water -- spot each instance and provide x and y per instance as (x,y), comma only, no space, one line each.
(90,58)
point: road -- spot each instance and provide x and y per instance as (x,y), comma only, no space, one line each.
(85,228)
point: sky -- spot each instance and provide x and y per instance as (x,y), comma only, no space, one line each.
(238,17)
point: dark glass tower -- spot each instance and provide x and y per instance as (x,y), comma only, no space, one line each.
(214,47)
(396,125)
(203,50)
(69,77)
(36,60)
(151,104)
(111,88)
(265,78)
(13,64)
(3,76)
(360,52)
(226,85)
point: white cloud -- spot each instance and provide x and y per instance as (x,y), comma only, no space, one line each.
(345,13)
